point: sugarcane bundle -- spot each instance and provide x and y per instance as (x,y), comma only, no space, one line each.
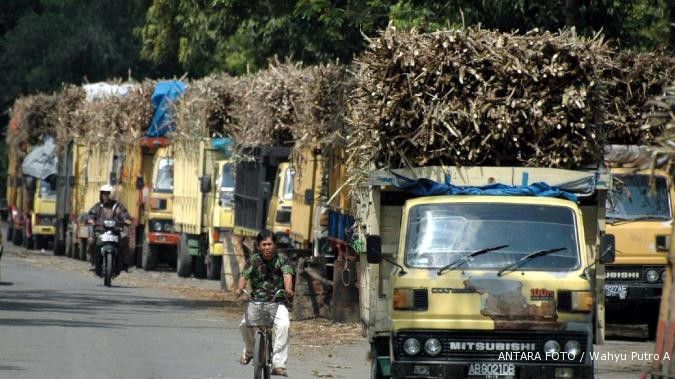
(479,97)
(662,116)
(632,80)
(32,117)
(204,110)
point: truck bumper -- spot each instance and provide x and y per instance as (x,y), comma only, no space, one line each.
(429,370)
(43,230)
(158,238)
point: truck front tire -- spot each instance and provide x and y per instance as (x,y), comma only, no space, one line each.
(148,255)
(214,265)
(183,258)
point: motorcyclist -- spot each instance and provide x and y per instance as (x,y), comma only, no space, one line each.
(108,209)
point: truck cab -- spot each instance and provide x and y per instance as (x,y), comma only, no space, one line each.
(161,239)
(481,286)
(43,215)
(640,216)
(281,203)
(222,216)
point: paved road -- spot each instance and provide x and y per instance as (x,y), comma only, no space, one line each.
(56,324)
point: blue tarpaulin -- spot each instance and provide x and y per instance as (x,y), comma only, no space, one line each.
(428,187)
(163,95)
(224,145)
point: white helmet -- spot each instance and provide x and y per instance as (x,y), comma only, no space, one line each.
(107,188)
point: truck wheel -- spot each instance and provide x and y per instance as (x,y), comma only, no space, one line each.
(17,237)
(183,258)
(82,253)
(10,232)
(68,245)
(213,266)
(148,256)
(200,267)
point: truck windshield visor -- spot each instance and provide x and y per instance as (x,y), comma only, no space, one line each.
(226,185)
(635,197)
(442,233)
(288,184)
(46,190)
(164,182)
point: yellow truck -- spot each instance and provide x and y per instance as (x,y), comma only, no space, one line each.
(640,216)
(202,214)
(159,240)
(281,203)
(470,281)
(31,199)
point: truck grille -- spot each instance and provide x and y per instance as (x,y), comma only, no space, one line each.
(633,274)
(484,345)
(420,299)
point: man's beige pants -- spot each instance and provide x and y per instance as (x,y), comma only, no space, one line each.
(279,333)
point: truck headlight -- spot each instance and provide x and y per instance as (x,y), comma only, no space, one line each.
(433,347)
(652,276)
(157,226)
(551,346)
(573,347)
(168,226)
(411,346)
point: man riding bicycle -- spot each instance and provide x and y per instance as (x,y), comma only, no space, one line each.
(268,271)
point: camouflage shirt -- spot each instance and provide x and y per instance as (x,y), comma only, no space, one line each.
(266,277)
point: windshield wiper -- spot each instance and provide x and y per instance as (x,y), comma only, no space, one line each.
(469,256)
(526,258)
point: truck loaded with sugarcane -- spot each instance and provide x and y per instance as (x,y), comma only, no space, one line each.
(325,156)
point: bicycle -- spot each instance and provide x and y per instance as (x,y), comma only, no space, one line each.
(261,315)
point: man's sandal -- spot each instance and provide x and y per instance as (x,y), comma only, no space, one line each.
(244,360)
(279,371)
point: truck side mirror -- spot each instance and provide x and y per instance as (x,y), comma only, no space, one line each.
(374,249)
(205,184)
(113,179)
(140,183)
(607,248)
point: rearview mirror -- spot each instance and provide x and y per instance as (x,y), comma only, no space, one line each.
(374,249)
(607,248)
(205,184)
(266,189)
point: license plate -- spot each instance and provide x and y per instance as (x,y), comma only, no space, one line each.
(492,370)
(616,290)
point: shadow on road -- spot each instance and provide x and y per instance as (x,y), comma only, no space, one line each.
(10,368)
(61,308)
(6,284)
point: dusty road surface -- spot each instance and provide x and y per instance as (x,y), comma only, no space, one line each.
(57,320)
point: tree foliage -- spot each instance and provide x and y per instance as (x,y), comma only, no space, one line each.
(203,36)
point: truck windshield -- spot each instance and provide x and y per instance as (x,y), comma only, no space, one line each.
(164,182)
(288,184)
(226,185)
(634,198)
(46,190)
(442,233)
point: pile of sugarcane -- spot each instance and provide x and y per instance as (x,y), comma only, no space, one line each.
(479,97)
(31,118)
(662,116)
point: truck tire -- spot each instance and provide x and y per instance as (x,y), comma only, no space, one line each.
(200,267)
(82,251)
(148,256)
(17,236)
(214,265)
(183,258)
(10,232)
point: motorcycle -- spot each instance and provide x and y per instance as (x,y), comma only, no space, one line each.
(107,245)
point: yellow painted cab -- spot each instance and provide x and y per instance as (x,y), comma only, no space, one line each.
(160,240)
(43,215)
(481,286)
(281,203)
(223,210)
(640,216)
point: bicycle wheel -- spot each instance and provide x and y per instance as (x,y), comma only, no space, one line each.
(260,369)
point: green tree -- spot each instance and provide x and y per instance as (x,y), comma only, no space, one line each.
(203,36)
